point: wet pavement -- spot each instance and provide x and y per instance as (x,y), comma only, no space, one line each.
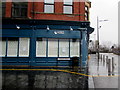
(32,80)
(100,77)
(103,76)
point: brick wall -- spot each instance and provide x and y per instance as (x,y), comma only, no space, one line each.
(36,11)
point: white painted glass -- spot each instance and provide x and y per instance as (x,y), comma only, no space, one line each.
(41,47)
(52,47)
(63,48)
(74,47)
(24,44)
(12,47)
(3,48)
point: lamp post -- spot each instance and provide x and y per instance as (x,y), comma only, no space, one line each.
(98,27)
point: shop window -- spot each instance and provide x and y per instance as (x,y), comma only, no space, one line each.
(41,47)
(74,47)
(12,47)
(68,7)
(52,47)
(2,47)
(49,6)
(63,48)
(24,44)
(19,9)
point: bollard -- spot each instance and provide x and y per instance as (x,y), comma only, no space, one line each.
(106,61)
(109,67)
(113,66)
(103,59)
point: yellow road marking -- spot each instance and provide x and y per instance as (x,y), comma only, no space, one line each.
(60,71)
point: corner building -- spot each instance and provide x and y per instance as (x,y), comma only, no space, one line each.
(45,33)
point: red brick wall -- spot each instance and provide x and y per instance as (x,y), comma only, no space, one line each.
(8,9)
(78,11)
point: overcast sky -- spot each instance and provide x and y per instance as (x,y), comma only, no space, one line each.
(105,9)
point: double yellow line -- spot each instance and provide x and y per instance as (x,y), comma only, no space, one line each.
(76,73)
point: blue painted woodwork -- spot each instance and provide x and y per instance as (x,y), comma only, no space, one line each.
(39,28)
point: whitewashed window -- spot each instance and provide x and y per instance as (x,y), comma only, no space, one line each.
(68,7)
(52,47)
(2,47)
(12,47)
(49,6)
(74,47)
(24,44)
(63,48)
(41,47)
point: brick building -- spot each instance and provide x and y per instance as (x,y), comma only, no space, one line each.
(67,10)
(47,33)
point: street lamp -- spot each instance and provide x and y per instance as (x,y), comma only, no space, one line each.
(98,27)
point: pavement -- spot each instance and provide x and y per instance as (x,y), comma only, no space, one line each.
(101,78)
(37,80)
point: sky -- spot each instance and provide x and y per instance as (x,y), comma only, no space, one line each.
(105,10)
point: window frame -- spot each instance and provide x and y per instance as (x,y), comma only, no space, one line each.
(7,39)
(45,42)
(86,13)
(16,39)
(20,47)
(20,8)
(51,4)
(3,9)
(68,5)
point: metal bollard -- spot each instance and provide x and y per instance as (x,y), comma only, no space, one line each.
(106,61)
(103,59)
(109,67)
(113,66)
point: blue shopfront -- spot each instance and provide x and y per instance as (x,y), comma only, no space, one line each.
(44,43)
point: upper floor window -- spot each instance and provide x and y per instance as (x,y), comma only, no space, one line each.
(68,7)
(86,8)
(19,9)
(86,16)
(3,9)
(86,13)
(49,6)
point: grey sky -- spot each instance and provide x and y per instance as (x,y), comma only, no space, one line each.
(105,9)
